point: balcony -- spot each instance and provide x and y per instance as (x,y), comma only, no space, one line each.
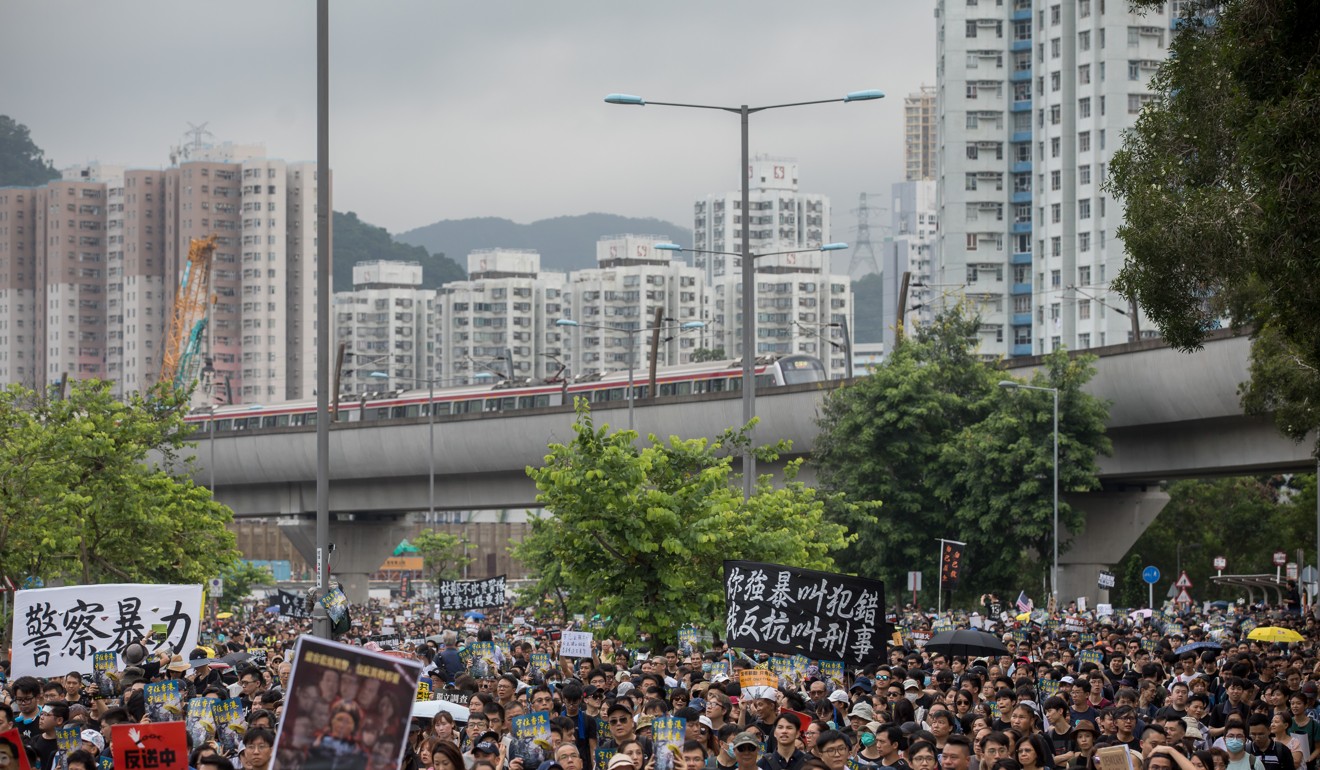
(1022,136)
(1021,319)
(1021,14)
(1023,105)
(1021,349)
(1020,228)
(1021,45)
(1020,258)
(1022,196)
(1020,76)
(1020,288)
(1021,167)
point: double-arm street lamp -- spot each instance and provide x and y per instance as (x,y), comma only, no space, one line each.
(748,331)
(632,345)
(430,433)
(748,274)
(1054,571)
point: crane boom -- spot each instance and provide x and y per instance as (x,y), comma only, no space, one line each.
(188,317)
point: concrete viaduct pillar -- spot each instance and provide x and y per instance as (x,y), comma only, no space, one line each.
(1114,521)
(361,545)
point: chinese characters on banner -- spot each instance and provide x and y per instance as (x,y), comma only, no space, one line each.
(58,630)
(347,708)
(951,553)
(826,616)
(156,746)
(472,594)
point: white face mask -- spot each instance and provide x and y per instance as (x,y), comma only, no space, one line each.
(911,696)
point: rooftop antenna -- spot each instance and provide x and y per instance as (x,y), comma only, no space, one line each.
(863,254)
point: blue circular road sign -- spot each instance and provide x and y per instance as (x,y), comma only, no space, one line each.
(1151,574)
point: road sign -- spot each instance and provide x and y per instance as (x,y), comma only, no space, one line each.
(1221,563)
(1280,558)
(1183,581)
(216,586)
(1183,597)
(914,581)
(7,585)
(1105,580)
(1291,570)
(1151,574)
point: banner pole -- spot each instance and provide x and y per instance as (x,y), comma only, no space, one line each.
(939,581)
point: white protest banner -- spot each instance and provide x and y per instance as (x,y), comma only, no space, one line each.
(575,644)
(58,630)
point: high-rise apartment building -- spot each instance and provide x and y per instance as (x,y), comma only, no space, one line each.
(919,145)
(500,323)
(386,324)
(781,218)
(90,265)
(613,302)
(1033,98)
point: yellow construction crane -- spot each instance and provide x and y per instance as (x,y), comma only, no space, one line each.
(183,338)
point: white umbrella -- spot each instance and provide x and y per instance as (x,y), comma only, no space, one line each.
(427,709)
(1142,613)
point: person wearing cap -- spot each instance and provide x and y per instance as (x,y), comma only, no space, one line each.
(619,719)
(92,742)
(622,762)
(1085,735)
(746,749)
(860,715)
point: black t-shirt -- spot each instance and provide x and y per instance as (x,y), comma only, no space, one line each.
(1062,743)
(586,732)
(28,730)
(45,749)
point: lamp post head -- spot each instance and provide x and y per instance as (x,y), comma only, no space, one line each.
(1009,384)
(694,325)
(379,375)
(855,96)
(566,322)
(634,100)
(668,247)
(834,247)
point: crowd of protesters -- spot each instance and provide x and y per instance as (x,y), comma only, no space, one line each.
(1190,695)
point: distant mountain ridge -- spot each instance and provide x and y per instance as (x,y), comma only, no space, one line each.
(564,243)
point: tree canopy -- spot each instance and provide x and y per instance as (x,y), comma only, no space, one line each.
(443,555)
(639,533)
(952,455)
(22,162)
(1220,179)
(80,501)
(357,241)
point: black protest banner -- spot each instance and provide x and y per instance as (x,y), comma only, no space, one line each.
(951,554)
(823,615)
(292,605)
(472,594)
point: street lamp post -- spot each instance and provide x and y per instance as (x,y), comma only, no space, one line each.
(748,330)
(748,274)
(430,437)
(632,346)
(1054,573)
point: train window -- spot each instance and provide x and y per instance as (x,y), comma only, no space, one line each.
(441,407)
(310,419)
(268,422)
(398,411)
(468,407)
(383,413)
(253,423)
(282,421)
(765,381)
(641,392)
(223,425)
(797,369)
(718,385)
(699,386)
(684,388)
(297,419)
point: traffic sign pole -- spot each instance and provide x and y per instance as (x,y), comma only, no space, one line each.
(1151,575)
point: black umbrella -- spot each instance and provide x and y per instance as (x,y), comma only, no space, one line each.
(966,642)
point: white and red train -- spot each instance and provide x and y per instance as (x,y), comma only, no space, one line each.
(708,377)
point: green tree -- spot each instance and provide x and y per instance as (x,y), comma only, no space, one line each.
(240,577)
(952,455)
(639,534)
(22,163)
(1220,179)
(81,500)
(443,555)
(357,241)
(708,354)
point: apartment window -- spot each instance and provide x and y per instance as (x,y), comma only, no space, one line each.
(1084,309)
(1056,246)
(1055,80)
(1134,36)
(1055,48)
(971,241)
(1084,273)
(1056,282)
(1083,8)
(1054,147)
(1084,173)
(971,29)
(971,151)
(971,182)
(1134,70)
(1022,30)
(1084,243)
(1084,40)
(1084,107)
(1083,141)
(1084,208)
(1055,16)
(1056,179)
(1084,74)
(1055,114)
(1102,139)
(1084,340)
(1056,213)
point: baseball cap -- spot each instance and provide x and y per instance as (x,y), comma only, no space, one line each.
(862,683)
(486,747)
(619,706)
(93,737)
(745,738)
(838,696)
(620,760)
(911,684)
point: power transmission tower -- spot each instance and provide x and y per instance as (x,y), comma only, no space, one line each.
(864,259)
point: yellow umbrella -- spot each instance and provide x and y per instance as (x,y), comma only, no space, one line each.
(224,615)
(1024,616)
(1274,634)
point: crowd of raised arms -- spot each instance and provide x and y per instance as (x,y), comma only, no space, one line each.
(1190,692)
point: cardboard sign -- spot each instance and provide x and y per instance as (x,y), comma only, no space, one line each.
(757,677)
(155,746)
(575,644)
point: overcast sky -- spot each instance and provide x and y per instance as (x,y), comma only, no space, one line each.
(445,110)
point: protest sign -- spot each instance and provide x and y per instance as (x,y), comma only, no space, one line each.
(58,630)
(757,677)
(1114,758)
(1091,656)
(336,605)
(157,746)
(530,738)
(164,700)
(347,707)
(292,605)
(480,659)
(575,644)
(457,595)
(104,664)
(200,720)
(668,734)
(541,662)
(11,748)
(832,672)
(822,615)
(68,738)
(230,726)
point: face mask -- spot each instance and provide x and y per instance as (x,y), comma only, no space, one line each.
(911,696)
(926,680)
(1234,745)
(867,739)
